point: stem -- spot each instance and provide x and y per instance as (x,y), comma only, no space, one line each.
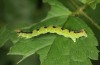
(80,11)
(96,25)
(74,4)
(89,3)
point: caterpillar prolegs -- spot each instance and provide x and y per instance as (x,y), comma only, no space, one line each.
(52,29)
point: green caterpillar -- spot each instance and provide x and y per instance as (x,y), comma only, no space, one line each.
(52,29)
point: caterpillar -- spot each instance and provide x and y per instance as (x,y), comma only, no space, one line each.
(53,29)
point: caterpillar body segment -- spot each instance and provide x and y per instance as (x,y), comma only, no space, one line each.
(52,29)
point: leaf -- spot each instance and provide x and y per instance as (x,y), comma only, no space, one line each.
(57,9)
(87,62)
(14,37)
(31,46)
(87,45)
(79,51)
(93,3)
(46,39)
(4,35)
(58,50)
(53,49)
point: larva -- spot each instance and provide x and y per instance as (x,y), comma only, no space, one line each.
(52,29)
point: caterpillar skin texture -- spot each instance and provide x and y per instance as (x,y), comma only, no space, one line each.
(52,29)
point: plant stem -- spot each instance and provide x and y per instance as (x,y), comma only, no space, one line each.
(75,4)
(96,25)
(80,11)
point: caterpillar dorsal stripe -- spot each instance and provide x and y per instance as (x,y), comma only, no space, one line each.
(53,29)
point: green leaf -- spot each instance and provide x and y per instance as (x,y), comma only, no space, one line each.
(14,37)
(93,3)
(52,2)
(46,39)
(86,62)
(53,48)
(79,51)
(87,45)
(57,9)
(4,35)
(59,51)
(28,47)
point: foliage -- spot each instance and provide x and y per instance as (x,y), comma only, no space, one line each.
(52,49)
